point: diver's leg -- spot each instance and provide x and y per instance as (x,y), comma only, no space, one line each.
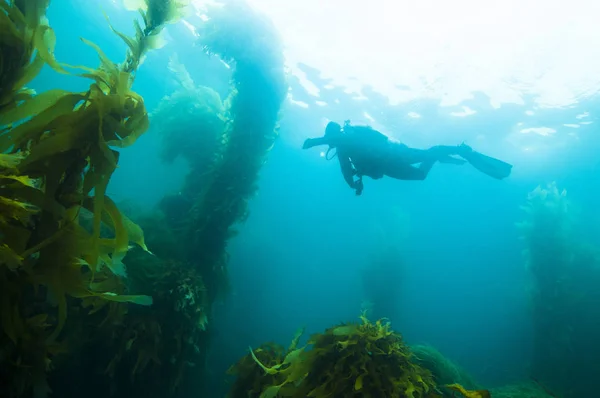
(409,155)
(405,171)
(443,153)
(440,153)
(400,164)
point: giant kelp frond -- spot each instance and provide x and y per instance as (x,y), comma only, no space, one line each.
(155,14)
(182,76)
(23,30)
(469,393)
(161,12)
(56,160)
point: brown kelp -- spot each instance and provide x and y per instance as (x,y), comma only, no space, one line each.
(56,159)
(349,360)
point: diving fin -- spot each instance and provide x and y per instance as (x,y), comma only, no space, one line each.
(493,167)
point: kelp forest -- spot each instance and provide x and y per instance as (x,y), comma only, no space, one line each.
(100,299)
(95,301)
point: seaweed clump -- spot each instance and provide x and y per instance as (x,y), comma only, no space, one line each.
(352,360)
(251,379)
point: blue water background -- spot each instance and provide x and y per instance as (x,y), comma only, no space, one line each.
(298,259)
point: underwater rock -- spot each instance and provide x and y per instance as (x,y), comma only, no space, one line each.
(443,370)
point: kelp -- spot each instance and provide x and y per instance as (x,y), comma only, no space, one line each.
(155,15)
(150,351)
(566,273)
(468,393)
(23,33)
(370,359)
(56,160)
(351,360)
(153,352)
(250,377)
(348,360)
(224,141)
(250,45)
(192,122)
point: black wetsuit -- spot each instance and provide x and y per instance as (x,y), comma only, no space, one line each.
(364,151)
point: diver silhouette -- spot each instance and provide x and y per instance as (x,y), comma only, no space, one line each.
(364,151)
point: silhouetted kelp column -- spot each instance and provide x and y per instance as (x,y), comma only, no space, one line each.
(546,233)
(249,44)
(566,276)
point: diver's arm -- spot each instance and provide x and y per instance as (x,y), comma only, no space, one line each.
(311,142)
(348,170)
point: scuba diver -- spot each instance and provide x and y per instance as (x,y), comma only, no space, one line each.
(364,151)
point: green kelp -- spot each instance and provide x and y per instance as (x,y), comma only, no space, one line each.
(56,162)
(349,360)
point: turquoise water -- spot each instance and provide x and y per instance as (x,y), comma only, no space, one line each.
(299,259)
